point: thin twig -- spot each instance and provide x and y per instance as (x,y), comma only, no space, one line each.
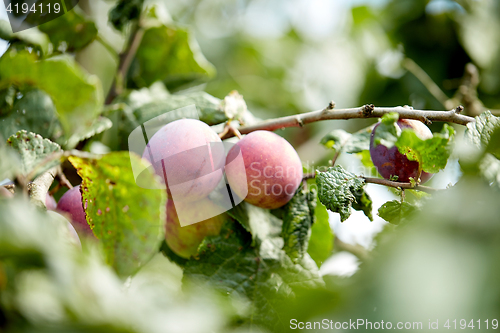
(386,182)
(366,111)
(403,186)
(125,61)
(427,81)
(63,180)
(357,250)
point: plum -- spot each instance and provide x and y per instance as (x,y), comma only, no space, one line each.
(71,204)
(184,241)
(272,172)
(188,155)
(390,162)
(50,202)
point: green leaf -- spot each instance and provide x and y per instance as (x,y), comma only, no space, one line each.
(72,28)
(33,112)
(229,264)
(338,190)
(432,154)
(388,131)
(170,55)
(321,241)
(209,108)
(340,140)
(98,126)
(257,221)
(366,160)
(23,39)
(78,98)
(396,212)
(124,12)
(33,149)
(364,203)
(480,131)
(298,219)
(127,219)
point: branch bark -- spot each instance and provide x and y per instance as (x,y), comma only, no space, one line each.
(39,188)
(366,111)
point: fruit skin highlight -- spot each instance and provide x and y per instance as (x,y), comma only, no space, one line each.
(180,152)
(390,162)
(273,170)
(184,241)
(71,203)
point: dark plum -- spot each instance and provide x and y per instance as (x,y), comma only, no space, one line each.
(390,162)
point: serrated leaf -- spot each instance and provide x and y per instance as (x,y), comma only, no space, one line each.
(480,131)
(78,98)
(388,131)
(363,203)
(72,28)
(128,220)
(395,211)
(34,112)
(321,241)
(33,149)
(125,11)
(432,154)
(338,189)
(170,55)
(231,265)
(257,221)
(298,219)
(98,126)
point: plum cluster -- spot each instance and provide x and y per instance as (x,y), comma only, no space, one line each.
(190,157)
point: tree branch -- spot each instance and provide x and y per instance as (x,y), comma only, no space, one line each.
(125,61)
(366,111)
(39,188)
(427,81)
(357,250)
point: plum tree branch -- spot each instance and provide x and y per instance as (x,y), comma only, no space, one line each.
(124,64)
(39,188)
(365,111)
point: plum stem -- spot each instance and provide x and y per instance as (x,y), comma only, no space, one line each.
(366,111)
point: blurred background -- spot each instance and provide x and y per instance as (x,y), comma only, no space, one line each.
(293,56)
